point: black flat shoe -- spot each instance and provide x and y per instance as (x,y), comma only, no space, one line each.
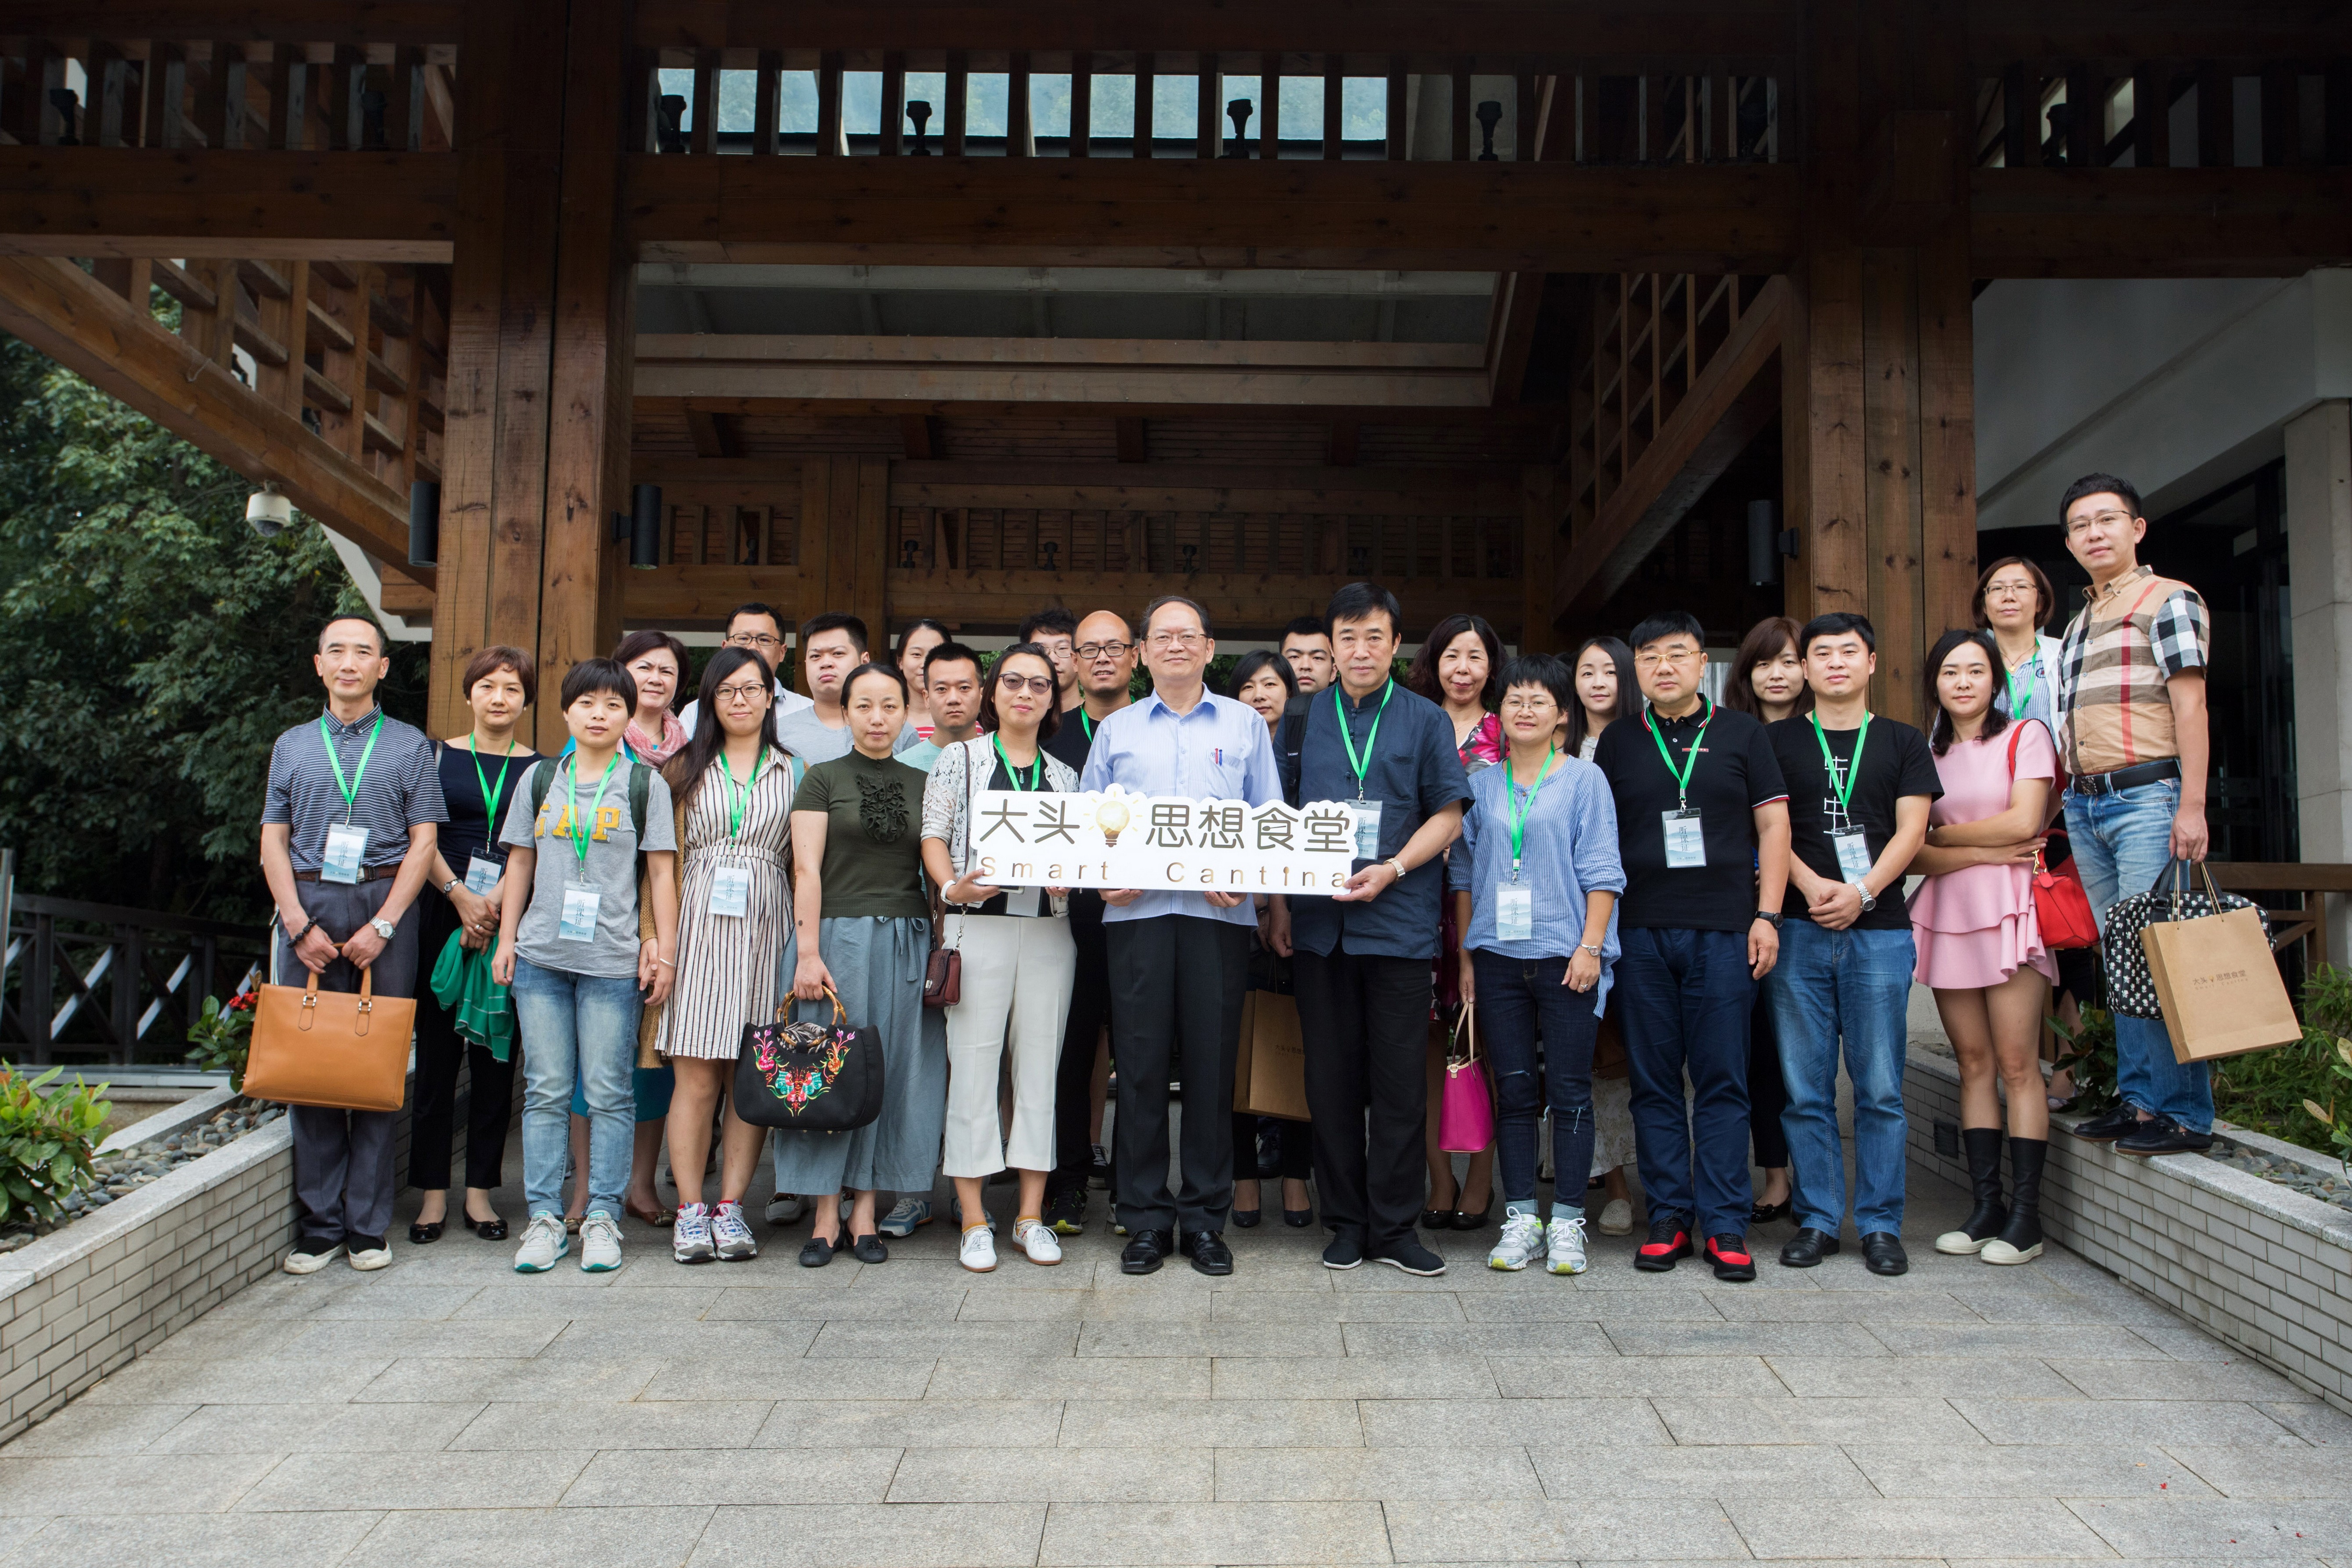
(1881,1253)
(1765,1213)
(1298,1219)
(1248,1219)
(493,1229)
(868,1248)
(1807,1247)
(423,1235)
(1462,1219)
(817,1253)
(1437,1219)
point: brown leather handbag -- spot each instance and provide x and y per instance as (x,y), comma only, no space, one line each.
(330,1049)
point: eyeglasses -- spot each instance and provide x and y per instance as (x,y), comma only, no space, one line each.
(1177,640)
(1091,651)
(2077,526)
(1544,704)
(752,639)
(1043,685)
(747,692)
(1680,656)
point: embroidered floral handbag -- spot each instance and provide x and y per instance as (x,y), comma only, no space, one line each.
(816,1078)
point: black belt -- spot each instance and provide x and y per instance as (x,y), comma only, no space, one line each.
(367,874)
(2126,778)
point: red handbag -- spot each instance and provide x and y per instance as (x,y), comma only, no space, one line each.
(2062,909)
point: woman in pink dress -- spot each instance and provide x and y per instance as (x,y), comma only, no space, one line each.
(1979,948)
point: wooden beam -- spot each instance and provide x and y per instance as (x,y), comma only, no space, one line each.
(2159,223)
(124,351)
(251,21)
(1725,409)
(698,599)
(1533,217)
(1539,553)
(1511,337)
(712,436)
(195,202)
(2111,37)
(1245,602)
(1223,489)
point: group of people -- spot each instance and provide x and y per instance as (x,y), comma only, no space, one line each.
(1672,915)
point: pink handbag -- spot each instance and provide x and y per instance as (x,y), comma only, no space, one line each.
(1466,1118)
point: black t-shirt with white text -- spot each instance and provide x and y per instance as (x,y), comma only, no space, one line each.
(1895,761)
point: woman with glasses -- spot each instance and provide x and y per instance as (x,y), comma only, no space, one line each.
(915,644)
(732,787)
(1018,962)
(1265,681)
(861,931)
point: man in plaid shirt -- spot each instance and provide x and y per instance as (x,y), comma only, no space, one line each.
(2131,733)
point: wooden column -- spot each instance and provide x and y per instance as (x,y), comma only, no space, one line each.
(845,545)
(1540,542)
(1878,433)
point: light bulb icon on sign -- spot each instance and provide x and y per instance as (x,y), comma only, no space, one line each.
(1111,817)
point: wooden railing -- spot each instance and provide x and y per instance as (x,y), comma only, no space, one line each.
(242,90)
(2062,114)
(94,981)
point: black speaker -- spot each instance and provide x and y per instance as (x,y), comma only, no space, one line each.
(645,527)
(1763,544)
(425,522)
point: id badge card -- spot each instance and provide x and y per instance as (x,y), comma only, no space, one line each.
(1685,843)
(345,845)
(1853,852)
(1023,901)
(1514,913)
(578,923)
(481,876)
(1367,813)
(730,891)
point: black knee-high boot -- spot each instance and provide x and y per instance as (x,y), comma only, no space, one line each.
(1983,1146)
(2019,1240)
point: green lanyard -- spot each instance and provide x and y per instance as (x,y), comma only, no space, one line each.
(1086,722)
(1361,765)
(352,790)
(1520,812)
(1036,779)
(739,795)
(2017,701)
(571,803)
(1852,769)
(490,797)
(1682,776)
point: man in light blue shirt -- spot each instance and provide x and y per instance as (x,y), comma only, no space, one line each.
(1178,962)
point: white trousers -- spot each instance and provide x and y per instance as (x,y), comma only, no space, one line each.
(1017,974)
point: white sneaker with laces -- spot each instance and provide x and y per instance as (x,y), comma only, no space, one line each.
(600,1243)
(1617,1218)
(1037,1241)
(544,1242)
(1522,1241)
(689,1234)
(1565,1245)
(732,1234)
(978,1250)
(785,1208)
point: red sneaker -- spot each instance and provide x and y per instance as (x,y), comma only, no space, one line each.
(1668,1245)
(1730,1256)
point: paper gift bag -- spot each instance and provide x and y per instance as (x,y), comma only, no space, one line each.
(2219,986)
(1270,1069)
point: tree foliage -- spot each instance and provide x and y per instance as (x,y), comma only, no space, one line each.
(151,648)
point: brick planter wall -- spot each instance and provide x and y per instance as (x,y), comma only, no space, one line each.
(2260,1267)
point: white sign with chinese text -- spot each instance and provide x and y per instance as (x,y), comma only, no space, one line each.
(1115,839)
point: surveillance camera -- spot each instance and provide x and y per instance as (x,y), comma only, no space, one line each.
(269,512)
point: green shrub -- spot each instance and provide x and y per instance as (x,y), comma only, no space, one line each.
(2090,1051)
(2290,1092)
(223,1037)
(46,1143)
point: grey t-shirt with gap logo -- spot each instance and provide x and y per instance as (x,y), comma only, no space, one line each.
(611,869)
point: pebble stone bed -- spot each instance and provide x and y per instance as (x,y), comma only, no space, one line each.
(125,1171)
(2328,1188)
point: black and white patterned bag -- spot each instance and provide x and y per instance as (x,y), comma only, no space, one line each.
(2131,989)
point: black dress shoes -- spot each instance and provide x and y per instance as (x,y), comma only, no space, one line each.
(1807,1247)
(1145,1251)
(1881,1253)
(1209,1253)
(2162,1135)
(2108,1126)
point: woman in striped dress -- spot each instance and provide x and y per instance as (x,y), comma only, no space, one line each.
(733,788)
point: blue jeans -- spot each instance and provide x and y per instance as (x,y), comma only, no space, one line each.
(583,1027)
(1519,999)
(1856,984)
(1686,996)
(2121,844)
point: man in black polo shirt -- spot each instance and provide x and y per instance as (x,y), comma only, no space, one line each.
(1362,956)
(347,841)
(1104,650)
(1702,824)
(1859,789)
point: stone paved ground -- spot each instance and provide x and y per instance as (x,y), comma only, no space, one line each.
(449,1411)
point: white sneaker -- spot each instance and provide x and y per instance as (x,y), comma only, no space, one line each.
(978,1250)
(368,1260)
(733,1235)
(1522,1242)
(689,1234)
(300,1262)
(600,1243)
(904,1217)
(545,1241)
(1565,1245)
(1617,1218)
(1038,1240)
(784,1208)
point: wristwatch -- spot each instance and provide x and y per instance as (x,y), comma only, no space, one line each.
(1869,902)
(452,882)
(384,929)
(1396,864)
(1587,947)
(1773,916)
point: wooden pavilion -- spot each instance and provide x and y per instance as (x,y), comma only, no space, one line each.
(1493,353)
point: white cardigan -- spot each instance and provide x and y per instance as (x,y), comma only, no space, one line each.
(961,770)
